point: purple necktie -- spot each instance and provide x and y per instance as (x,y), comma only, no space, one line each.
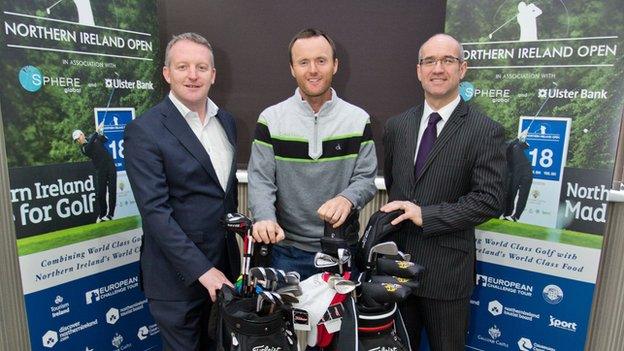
(426,143)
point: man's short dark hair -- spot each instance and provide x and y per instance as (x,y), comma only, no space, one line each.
(192,37)
(310,33)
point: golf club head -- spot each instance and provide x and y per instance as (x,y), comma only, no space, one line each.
(322,260)
(237,223)
(293,278)
(379,229)
(388,248)
(400,256)
(341,285)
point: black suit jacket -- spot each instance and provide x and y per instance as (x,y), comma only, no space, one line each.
(460,186)
(181,203)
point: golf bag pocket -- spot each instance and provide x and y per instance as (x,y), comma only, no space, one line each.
(378,330)
(242,329)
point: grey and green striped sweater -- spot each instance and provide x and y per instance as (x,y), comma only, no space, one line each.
(300,159)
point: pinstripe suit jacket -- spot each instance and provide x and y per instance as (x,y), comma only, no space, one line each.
(460,186)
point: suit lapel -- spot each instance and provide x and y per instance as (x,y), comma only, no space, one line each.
(177,125)
(412,127)
(229,131)
(451,128)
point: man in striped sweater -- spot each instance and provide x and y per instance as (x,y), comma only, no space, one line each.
(312,160)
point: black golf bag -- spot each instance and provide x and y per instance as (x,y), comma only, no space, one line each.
(373,321)
(240,328)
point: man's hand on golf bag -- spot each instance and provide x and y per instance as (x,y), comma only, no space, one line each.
(268,232)
(213,280)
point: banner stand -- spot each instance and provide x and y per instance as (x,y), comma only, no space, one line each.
(12,311)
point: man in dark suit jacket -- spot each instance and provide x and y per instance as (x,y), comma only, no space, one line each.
(181,164)
(444,167)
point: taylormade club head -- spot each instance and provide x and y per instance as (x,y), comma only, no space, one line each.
(237,223)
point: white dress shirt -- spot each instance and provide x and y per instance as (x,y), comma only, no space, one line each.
(212,137)
(445,112)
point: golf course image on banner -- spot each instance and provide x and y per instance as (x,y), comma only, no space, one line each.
(74,73)
(551,73)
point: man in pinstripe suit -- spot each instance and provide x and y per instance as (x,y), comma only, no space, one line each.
(444,167)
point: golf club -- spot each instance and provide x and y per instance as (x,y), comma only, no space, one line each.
(541,107)
(501,26)
(386,248)
(50,8)
(323,260)
(110,96)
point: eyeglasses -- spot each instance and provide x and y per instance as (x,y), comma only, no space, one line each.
(445,61)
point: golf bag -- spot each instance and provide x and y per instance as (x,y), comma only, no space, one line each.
(240,328)
(373,321)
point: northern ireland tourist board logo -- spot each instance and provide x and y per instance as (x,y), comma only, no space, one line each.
(496,309)
(552,294)
(114,314)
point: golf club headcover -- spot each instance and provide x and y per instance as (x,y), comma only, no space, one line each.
(342,237)
(372,294)
(377,231)
(410,283)
(403,269)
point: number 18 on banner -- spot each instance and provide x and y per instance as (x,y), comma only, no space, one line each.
(115,120)
(548,145)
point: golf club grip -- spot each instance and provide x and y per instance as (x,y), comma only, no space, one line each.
(262,256)
(403,269)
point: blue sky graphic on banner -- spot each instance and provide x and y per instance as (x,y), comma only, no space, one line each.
(67,66)
(552,68)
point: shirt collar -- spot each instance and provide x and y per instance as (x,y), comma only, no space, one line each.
(211,107)
(329,104)
(445,112)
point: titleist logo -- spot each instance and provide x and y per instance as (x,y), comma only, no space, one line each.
(266,348)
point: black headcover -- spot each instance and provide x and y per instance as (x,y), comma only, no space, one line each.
(377,230)
(342,237)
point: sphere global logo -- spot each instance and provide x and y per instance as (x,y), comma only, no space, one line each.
(31,78)
(466,90)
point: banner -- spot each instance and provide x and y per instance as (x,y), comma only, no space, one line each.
(74,73)
(550,73)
